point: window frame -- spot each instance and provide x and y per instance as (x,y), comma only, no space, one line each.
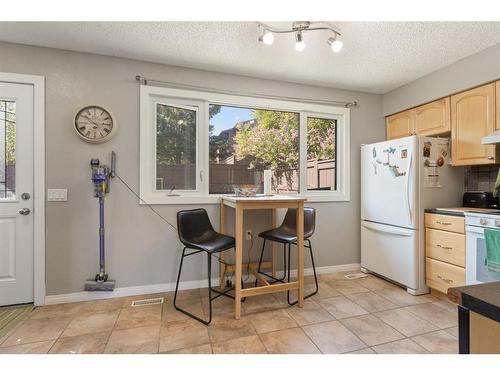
(151,95)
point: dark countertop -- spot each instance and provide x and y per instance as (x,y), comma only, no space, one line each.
(441,211)
(483,299)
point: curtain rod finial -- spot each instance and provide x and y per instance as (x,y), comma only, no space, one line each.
(141,80)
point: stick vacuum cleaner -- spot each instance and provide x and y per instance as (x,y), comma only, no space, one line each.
(101,175)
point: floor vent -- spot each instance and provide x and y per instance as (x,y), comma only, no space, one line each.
(357,275)
(147,302)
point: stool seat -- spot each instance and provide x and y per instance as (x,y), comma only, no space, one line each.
(211,242)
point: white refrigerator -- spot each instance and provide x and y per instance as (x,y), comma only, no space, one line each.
(399,179)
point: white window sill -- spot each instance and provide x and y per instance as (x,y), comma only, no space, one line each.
(215,199)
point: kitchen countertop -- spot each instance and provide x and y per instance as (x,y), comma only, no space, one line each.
(483,299)
(459,211)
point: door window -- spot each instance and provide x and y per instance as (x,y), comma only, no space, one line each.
(7,150)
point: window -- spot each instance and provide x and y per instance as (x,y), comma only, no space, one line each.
(175,147)
(243,142)
(7,149)
(196,145)
(321,146)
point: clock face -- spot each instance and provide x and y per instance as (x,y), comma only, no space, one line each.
(94,124)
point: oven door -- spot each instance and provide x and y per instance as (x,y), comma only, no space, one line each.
(476,271)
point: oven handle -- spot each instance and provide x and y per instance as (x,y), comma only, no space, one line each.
(473,229)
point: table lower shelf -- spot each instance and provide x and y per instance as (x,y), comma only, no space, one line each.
(266,289)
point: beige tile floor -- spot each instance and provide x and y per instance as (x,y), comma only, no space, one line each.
(367,315)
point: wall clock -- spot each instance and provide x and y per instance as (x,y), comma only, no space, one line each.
(95,124)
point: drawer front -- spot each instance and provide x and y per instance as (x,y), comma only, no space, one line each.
(441,276)
(445,246)
(445,222)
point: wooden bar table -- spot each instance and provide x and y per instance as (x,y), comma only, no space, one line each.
(260,202)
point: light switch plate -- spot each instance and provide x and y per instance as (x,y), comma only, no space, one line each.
(57,195)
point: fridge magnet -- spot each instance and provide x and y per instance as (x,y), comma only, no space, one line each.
(395,171)
(427,149)
(374,152)
(404,153)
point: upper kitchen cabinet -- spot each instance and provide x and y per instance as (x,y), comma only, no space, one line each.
(433,118)
(400,125)
(473,117)
(429,119)
(498,104)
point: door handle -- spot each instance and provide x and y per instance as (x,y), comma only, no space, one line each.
(25,211)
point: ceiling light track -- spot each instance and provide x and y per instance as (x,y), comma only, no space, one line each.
(299,28)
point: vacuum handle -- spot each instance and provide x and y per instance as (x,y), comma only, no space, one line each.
(113,164)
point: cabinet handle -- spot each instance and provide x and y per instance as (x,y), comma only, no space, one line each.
(444,247)
(443,223)
(491,158)
(448,281)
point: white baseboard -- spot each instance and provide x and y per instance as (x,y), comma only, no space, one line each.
(168,287)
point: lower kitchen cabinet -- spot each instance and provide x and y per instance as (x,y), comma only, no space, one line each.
(444,251)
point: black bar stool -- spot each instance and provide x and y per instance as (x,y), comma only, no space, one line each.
(197,234)
(286,234)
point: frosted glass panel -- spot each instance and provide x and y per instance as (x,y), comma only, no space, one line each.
(7,150)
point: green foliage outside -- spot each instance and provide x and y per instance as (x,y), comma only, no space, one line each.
(10,131)
(176,134)
(274,142)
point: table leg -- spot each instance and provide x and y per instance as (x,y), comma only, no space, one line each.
(274,245)
(223,230)
(238,261)
(300,248)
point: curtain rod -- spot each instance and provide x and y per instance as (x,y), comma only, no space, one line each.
(146,81)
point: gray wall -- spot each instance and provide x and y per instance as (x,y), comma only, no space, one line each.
(143,250)
(471,71)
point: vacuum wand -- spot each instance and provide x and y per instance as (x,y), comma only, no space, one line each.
(101,175)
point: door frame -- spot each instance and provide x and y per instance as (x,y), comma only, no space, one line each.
(38,83)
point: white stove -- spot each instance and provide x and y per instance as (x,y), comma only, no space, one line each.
(483,219)
(476,271)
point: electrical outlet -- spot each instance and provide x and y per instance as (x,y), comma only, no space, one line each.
(248,235)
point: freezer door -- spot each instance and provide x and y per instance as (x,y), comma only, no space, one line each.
(391,252)
(388,182)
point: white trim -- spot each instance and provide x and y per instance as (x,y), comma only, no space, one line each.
(169,287)
(38,83)
(151,94)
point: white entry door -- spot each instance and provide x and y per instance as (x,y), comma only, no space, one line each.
(16,193)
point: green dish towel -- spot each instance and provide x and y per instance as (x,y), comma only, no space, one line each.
(496,188)
(492,238)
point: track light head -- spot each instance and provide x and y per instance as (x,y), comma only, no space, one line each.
(299,42)
(267,37)
(335,44)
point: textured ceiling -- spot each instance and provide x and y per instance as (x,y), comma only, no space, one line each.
(377,56)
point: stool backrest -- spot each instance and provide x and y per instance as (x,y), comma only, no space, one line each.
(193,224)
(290,221)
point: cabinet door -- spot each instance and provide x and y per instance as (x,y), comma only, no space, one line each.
(400,125)
(498,104)
(433,118)
(473,117)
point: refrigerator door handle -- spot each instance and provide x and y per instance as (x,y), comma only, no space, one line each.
(408,201)
(388,229)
